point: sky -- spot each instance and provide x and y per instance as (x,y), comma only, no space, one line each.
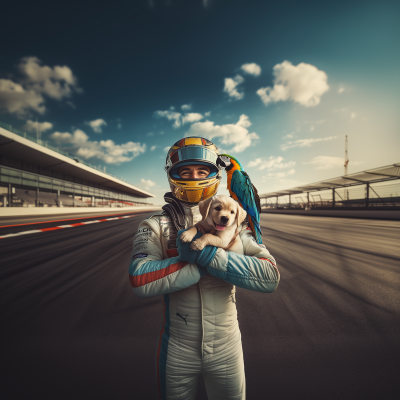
(278,85)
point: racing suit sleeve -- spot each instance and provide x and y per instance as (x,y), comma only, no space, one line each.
(151,275)
(255,270)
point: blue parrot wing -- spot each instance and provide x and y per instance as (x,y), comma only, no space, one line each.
(246,193)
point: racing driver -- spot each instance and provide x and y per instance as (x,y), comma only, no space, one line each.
(200,331)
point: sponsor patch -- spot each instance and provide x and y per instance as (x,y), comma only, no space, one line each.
(139,255)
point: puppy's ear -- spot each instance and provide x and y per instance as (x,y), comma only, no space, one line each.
(240,215)
(204,207)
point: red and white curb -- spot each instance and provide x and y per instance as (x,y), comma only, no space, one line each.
(54,228)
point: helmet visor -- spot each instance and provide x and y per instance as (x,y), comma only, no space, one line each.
(195,153)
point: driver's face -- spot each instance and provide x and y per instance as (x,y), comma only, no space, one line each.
(194,172)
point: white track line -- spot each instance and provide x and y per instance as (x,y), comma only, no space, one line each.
(54,228)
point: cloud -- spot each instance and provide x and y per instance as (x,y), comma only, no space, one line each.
(326,162)
(207,114)
(229,134)
(79,144)
(147,183)
(304,84)
(277,175)
(170,115)
(97,124)
(289,136)
(305,142)
(152,148)
(166,149)
(178,118)
(341,90)
(186,107)
(36,81)
(31,126)
(270,163)
(353,115)
(58,82)
(251,69)
(231,87)
(14,99)
(191,117)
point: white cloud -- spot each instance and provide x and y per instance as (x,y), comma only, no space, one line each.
(97,124)
(191,117)
(147,183)
(170,115)
(289,136)
(37,80)
(178,118)
(326,162)
(305,142)
(31,126)
(166,149)
(186,107)
(251,69)
(277,175)
(15,99)
(58,82)
(152,148)
(341,90)
(270,163)
(353,115)
(229,134)
(207,114)
(304,84)
(78,143)
(231,87)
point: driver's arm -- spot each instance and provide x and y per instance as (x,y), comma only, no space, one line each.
(151,275)
(255,270)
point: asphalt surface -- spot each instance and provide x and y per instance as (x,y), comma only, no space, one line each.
(73,329)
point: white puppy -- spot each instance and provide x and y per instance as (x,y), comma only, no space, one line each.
(222,217)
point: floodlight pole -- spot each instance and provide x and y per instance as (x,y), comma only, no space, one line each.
(346,163)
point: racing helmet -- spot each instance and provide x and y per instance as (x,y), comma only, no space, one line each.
(194,151)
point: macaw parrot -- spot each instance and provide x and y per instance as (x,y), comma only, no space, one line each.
(242,190)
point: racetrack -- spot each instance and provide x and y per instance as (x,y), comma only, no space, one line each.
(73,329)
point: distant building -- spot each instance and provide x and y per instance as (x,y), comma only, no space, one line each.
(36,174)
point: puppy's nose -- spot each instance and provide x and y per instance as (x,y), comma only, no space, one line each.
(224,220)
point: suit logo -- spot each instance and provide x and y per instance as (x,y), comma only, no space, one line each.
(184,318)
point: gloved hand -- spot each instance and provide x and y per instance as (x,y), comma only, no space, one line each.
(202,258)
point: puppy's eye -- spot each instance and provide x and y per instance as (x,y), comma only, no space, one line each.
(218,208)
(232,212)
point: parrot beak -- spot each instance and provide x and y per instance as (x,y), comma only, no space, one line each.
(223,161)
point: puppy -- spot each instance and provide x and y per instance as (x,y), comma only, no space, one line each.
(222,217)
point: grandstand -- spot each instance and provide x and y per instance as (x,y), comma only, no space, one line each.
(376,189)
(36,174)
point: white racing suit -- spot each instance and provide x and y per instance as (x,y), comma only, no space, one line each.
(200,331)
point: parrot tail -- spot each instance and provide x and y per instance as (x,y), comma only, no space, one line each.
(256,229)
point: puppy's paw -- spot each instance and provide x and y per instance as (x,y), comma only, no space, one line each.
(186,237)
(197,245)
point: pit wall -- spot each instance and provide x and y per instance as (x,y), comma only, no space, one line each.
(22,211)
(366,214)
